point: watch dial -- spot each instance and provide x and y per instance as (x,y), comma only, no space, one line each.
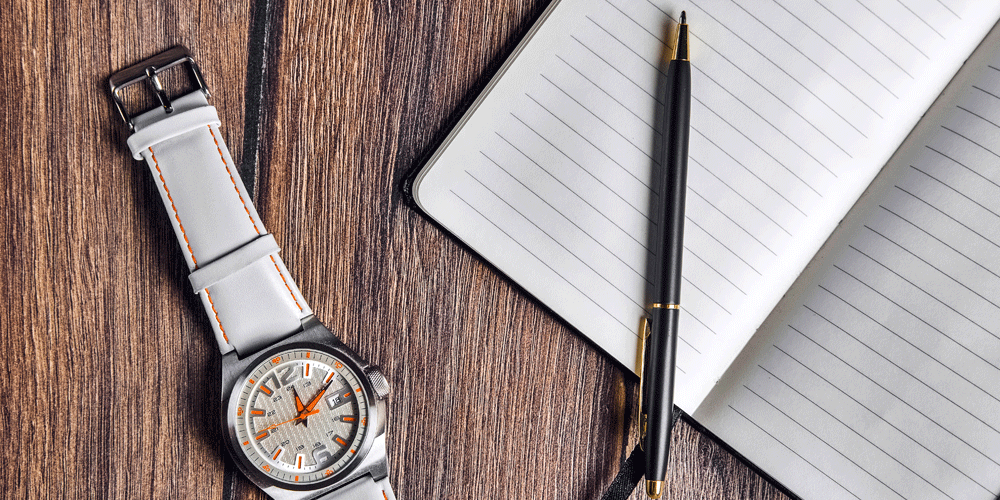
(300,416)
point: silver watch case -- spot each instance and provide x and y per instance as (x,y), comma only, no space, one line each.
(371,456)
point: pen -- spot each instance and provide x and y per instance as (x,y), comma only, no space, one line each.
(664,311)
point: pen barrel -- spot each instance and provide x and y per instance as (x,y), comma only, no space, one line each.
(658,383)
(673,187)
(659,397)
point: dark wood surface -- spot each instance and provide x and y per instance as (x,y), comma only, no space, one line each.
(110,370)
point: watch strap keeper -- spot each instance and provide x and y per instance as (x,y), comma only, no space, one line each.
(229,264)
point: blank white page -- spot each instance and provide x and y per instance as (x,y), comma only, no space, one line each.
(796,106)
(877,378)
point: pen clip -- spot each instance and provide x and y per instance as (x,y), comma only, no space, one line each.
(643,335)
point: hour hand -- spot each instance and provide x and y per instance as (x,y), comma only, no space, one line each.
(299,407)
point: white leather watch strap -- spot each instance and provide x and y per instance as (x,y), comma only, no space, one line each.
(365,488)
(250,298)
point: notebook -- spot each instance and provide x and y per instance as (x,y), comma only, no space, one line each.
(841,283)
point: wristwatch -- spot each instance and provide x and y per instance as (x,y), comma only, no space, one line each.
(303,415)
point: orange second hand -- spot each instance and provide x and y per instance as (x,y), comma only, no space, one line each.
(311,412)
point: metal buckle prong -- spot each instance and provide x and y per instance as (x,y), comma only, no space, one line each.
(154,82)
(149,70)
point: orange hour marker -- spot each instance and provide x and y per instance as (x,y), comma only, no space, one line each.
(341,441)
(262,435)
(330,377)
(265,390)
(275,457)
(347,394)
(256,412)
(347,419)
(307,370)
(300,462)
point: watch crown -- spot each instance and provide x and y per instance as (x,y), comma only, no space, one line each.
(379,383)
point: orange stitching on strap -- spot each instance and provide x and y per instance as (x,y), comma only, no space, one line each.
(286,282)
(216,316)
(176,216)
(184,234)
(247,208)
(230,172)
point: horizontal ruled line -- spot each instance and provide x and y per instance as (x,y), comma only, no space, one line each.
(560,244)
(907,341)
(813,434)
(543,200)
(737,193)
(814,63)
(869,410)
(856,433)
(542,261)
(821,471)
(887,391)
(918,318)
(869,42)
(835,47)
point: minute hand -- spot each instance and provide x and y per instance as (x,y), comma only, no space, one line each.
(312,403)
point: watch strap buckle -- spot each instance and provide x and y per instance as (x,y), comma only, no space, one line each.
(148,70)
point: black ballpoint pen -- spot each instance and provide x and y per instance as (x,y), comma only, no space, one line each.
(664,310)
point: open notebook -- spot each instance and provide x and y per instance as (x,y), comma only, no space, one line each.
(847,345)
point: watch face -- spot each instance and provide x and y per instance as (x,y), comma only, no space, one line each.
(300,416)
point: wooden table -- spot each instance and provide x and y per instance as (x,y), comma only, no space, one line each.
(111,372)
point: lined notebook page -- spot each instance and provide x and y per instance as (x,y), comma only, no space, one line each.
(796,107)
(880,380)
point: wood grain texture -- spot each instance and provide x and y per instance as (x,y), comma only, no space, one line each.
(111,367)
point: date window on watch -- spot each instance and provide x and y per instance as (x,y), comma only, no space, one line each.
(339,398)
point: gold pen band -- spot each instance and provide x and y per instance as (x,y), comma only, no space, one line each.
(664,306)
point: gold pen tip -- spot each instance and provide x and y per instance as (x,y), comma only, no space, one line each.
(654,489)
(684,17)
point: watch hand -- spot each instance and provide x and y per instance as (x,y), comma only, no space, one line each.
(298,402)
(299,407)
(315,399)
(297,417)
(308,410)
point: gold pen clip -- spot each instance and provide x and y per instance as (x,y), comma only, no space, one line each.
(643,354)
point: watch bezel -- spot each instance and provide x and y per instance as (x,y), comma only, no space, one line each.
(230,403)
